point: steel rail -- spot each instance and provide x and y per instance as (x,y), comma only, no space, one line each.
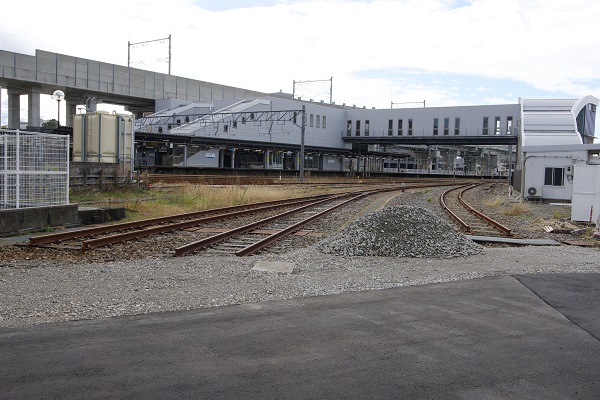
(497,225)
(200,244)
(153,230)
(60,236)
(261,244)
(463,225)
(96,230)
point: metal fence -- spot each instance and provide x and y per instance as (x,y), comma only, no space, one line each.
(34,169)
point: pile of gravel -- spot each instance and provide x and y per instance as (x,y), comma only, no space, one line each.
(400,231)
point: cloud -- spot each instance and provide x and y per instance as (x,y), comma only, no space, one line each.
(544,44)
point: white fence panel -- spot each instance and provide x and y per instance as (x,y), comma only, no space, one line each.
(34,169)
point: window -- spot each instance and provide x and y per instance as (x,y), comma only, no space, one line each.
(324,122)
(446,126)
(390,127)
(509,124)
(554,176)
(485,125)
(318,121)
(497,126)
(349,128)
(410,127)
(225,128)
(457,126)
(235,124)
(160,129)
(169,126)
(187,119)
(435,126)
(367,128)
(357,128)
(312,119)
(399,127)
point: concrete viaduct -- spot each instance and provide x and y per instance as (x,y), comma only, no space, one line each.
(92,82)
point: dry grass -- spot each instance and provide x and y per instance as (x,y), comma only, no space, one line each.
(517,209)
(495,202)
(171,200)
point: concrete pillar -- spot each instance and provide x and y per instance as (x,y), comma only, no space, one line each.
(266,159)
(70,110)
(0,105)
(33,111)
(91,103)
(14,109)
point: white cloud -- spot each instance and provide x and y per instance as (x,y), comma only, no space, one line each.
(546,44)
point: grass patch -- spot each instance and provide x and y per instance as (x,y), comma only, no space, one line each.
(180,199)
(517,209)
(495,202)
(561,214)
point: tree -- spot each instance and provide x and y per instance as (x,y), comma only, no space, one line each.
(51,123)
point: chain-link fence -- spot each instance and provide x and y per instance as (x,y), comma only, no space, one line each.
(34,169)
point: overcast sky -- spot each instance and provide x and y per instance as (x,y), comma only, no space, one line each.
(446,52)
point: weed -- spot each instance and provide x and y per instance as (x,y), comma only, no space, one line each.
(561,214)
(496,202)
(517,209)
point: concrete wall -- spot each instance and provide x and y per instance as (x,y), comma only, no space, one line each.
(37,218)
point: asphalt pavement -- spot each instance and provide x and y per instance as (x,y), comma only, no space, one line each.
(533,337)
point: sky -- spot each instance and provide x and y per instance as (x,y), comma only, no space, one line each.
(443,52)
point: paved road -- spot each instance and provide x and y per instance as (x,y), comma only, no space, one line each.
(486,338)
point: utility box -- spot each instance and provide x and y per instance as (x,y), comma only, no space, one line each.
(586,193)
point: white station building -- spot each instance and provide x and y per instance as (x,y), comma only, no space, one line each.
(187,123)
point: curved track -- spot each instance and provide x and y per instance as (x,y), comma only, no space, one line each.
(469,219)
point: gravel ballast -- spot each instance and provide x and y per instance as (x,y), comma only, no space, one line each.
(38,286)
(400,231)
(40,294)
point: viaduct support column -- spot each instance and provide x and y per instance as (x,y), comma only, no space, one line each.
(70,110)
(14,109)
(33,111)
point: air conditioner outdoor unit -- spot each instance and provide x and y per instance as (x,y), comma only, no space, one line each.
(534,191)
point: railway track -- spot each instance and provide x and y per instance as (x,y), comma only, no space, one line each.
(105,235)
(470,220)
(240,230)
(241,241)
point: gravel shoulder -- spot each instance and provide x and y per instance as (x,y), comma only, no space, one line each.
(38,291)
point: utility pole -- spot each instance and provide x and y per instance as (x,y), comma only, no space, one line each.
(302,134)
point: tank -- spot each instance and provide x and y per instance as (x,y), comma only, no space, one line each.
(102,137)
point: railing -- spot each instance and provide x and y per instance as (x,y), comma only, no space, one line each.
(429,133)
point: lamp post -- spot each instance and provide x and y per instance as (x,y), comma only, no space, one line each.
(58,95)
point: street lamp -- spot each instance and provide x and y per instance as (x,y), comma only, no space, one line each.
(58,95)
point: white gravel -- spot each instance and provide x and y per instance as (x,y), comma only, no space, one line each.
(400,231)
(43,289)
(38,293)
